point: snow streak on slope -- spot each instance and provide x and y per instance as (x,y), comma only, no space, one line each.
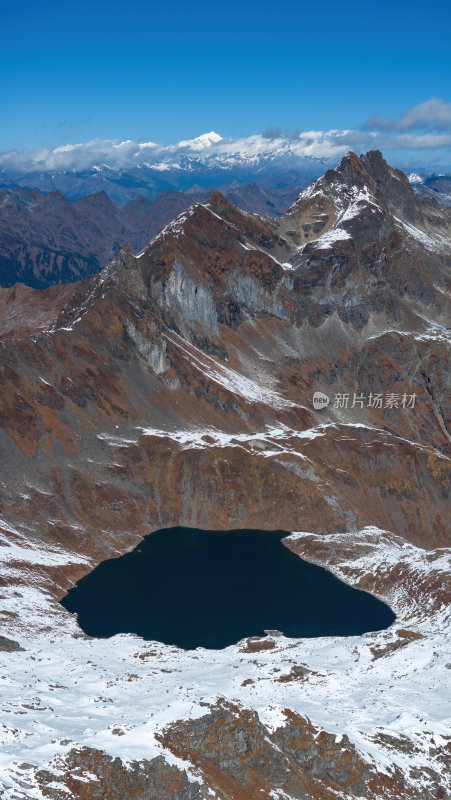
(435,242)
(226,377)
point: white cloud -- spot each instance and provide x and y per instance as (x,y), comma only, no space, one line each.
(426,141)
(427,126)
(433,114)
(208,148)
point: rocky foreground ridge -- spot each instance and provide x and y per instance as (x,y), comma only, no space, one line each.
(46,239)
(175,388)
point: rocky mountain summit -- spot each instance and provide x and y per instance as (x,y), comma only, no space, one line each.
(45,239)
(240,372)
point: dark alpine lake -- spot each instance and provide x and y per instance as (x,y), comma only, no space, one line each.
(210,589)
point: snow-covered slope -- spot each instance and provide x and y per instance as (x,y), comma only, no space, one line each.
(383,693)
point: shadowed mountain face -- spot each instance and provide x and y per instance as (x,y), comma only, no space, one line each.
(175,388)
(47,239)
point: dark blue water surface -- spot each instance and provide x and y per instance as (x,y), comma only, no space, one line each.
(196,588)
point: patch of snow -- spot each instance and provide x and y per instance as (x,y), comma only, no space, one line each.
(414,178)
(359,198)
(437,242)
(272,716)
(20,549)
(329,238)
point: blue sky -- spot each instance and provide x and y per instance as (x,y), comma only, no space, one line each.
(118,70)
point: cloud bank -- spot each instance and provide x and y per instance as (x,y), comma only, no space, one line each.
(432,115)
(425,127)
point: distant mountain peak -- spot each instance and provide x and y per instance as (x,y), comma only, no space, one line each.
(414,178)
(205,140)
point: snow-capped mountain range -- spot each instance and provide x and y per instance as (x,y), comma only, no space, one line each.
(125,170)
(128,169)
(209,148)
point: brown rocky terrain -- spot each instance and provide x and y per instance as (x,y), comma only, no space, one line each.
(23,311)
(175,388)
(48,239)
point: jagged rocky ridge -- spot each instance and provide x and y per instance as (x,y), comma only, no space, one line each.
(176,388)
(46,239)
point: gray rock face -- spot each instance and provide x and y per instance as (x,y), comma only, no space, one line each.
(249,294)
(145,780)
(295,758)
(154,353)
(190,302)
(9,645)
